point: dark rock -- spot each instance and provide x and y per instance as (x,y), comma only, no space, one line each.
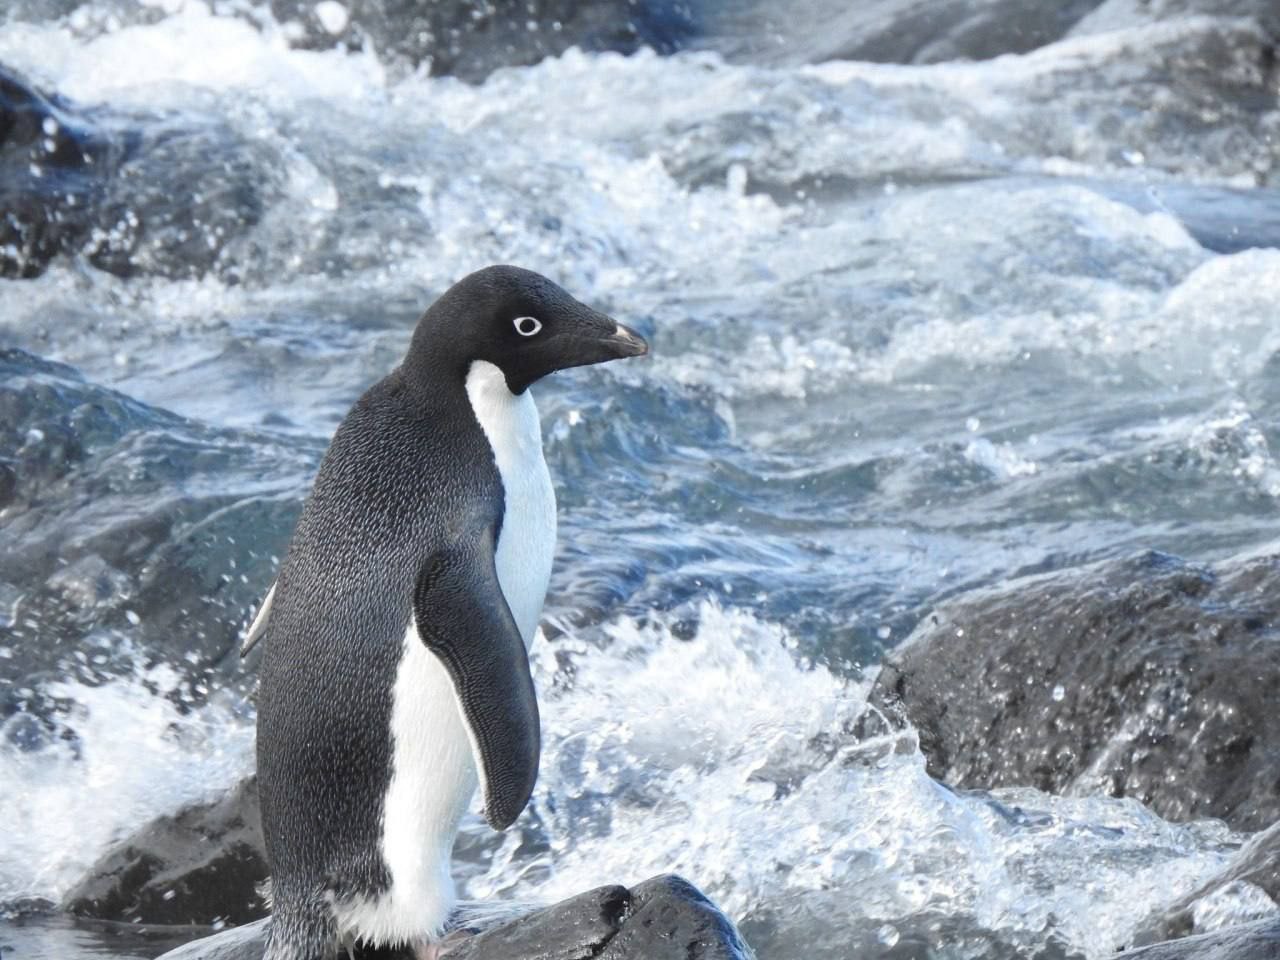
(200,866)
(126,522)
(1249,941)
(188,191)
(1196,98)
(1149,678)
(1257,863)
(472,38)
(106,184)
(8,484)
(1197,95)
(889,31)
(665,918)
(1121,14)
(574,928)
(207,863)
(670,918)
(239,943)
(53,162)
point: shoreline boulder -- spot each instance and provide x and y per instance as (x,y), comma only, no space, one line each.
(202,865)
(664,918)
(1248,941)
(1150,678)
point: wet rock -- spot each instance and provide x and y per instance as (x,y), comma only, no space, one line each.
(1189,96)
(1122,14)
(1149,678)
(239,943)
(200,866)
(183,201)
(53,162)
(935,31)
(127,523)
(472,38)
(1255,869)
(578,927)
(1194,98)
(1250,941)
(105,184)
(670,918)
(889,31)
(665,918)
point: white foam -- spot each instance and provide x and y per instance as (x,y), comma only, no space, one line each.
(191,50)
(137,756)
(727,759)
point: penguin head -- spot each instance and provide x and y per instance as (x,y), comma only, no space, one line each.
(522,323)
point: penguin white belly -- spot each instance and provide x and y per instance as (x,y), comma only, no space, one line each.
(433,767)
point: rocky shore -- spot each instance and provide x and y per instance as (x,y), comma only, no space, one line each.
(665,918)
(1150,678)
(136,535)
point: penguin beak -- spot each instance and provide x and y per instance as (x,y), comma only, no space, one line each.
(625,342)
(598,339)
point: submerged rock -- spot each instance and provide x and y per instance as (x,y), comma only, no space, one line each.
(1149,678)
(472,38)
(1121,14)
(889,31)
(1254,870)
(1249,941)
(665,918)
(130,531)
(134,193)
(53,162)
(200,866)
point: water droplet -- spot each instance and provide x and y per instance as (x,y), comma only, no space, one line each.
(332,15)
(1059,692)
(888,935)
(736,180)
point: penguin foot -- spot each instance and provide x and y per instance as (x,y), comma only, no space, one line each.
(441,948)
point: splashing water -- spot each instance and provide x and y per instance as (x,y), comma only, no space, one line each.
(916,330)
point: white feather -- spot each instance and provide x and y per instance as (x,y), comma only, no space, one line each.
(255,631)
(433,779)
(435,762)
(527,542)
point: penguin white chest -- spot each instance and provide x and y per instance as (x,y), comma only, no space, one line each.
(526,543)
(433,768)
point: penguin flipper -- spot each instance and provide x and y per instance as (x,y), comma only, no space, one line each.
(259,625)
(463,619)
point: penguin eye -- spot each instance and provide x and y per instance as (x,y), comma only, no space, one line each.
(527,326)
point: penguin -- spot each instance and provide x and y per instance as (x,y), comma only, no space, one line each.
(394,678)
